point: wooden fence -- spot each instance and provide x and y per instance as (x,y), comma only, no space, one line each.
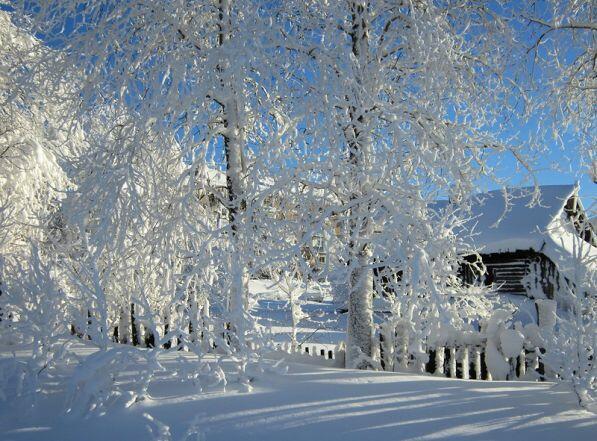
(469,362)
(330,354)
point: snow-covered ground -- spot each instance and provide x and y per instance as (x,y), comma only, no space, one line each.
(323,324)
(313,403)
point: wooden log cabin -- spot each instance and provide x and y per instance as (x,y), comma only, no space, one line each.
(526,246)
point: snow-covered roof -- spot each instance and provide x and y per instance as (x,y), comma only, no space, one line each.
(510,220)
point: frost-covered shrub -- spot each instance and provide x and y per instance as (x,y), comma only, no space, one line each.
(571,339)
(36,313)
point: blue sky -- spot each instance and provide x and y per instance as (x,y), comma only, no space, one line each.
(556,166)
(568,172)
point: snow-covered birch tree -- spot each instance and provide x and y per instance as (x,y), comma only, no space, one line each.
(406,104)
(193,69)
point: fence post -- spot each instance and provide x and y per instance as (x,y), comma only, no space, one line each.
(439,360)
(513,362)
(419,360)
(540,364)
(340,354)
(453,362)
(533,360)
(404,355)
(478,370)
(522,369)
(464,362)
(386,347)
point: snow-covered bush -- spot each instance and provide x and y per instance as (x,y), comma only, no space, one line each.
(570,336)
(34,306)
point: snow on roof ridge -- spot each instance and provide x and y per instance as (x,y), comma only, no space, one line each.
(498,224)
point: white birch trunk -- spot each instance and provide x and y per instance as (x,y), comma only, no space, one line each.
(360,317)
(360,312)
(234,141)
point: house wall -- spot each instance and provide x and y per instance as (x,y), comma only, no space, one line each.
(515,272)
